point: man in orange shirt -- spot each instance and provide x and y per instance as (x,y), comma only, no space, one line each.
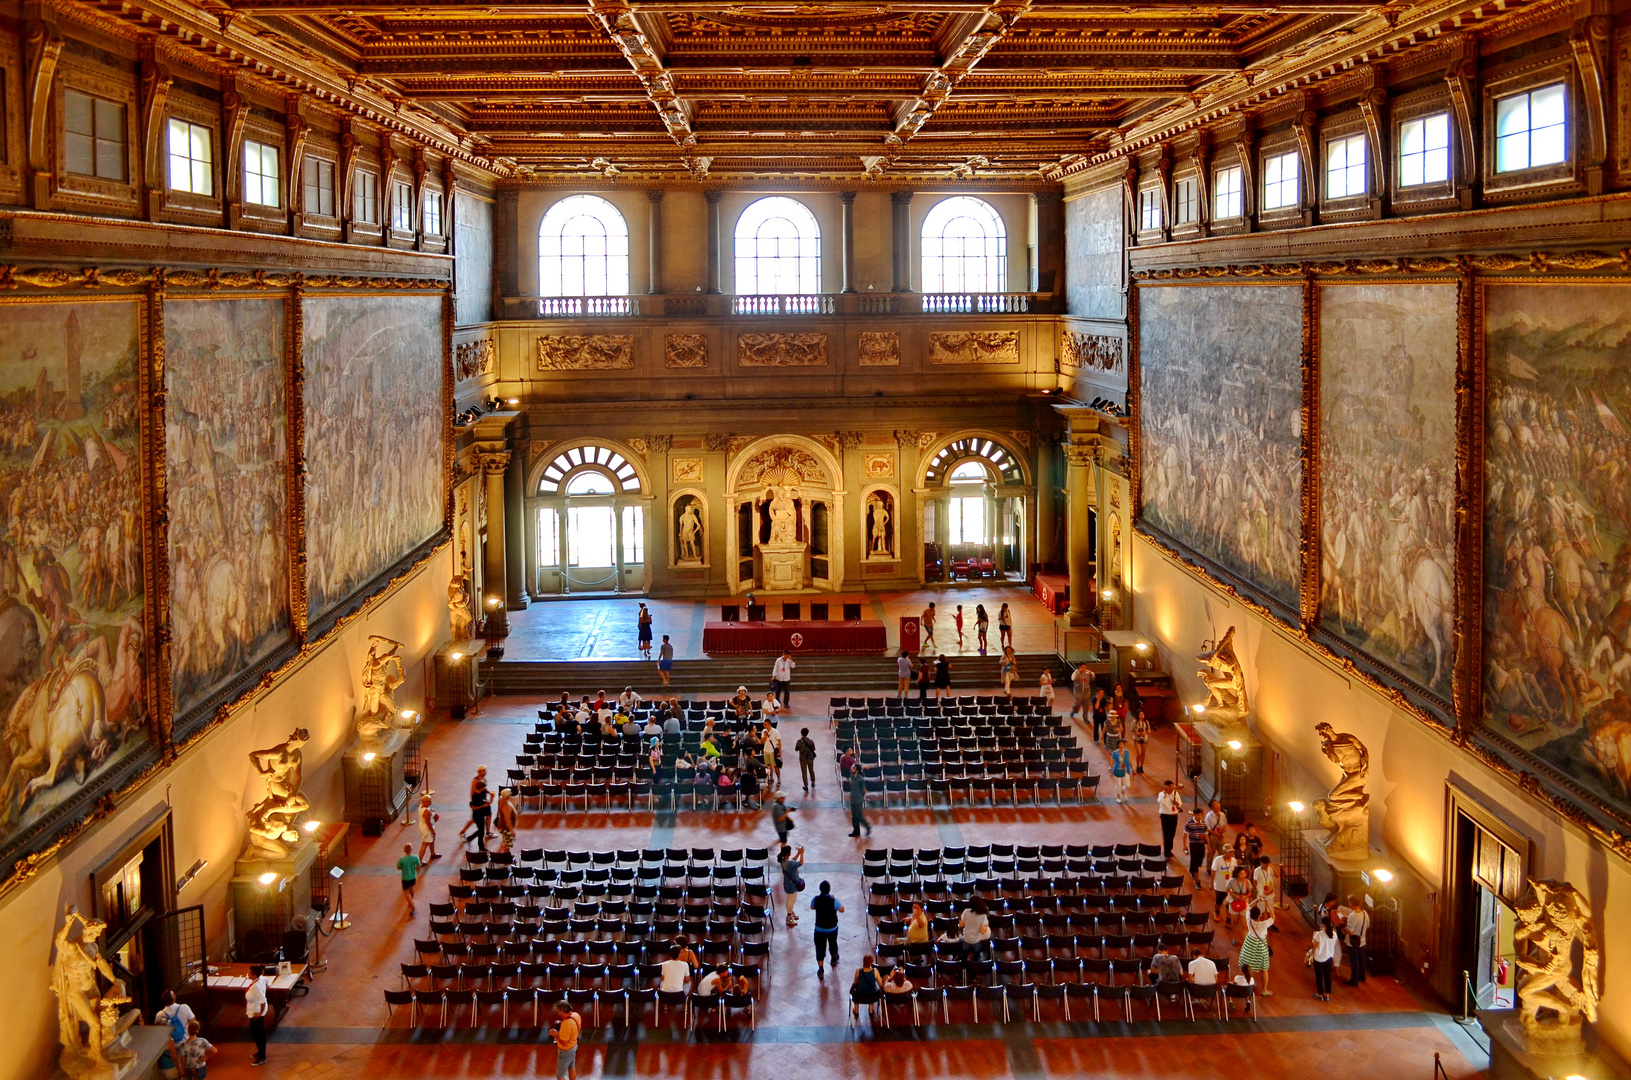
(568,1025)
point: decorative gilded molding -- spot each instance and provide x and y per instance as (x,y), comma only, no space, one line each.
(473,359)
(150,385)
(492,462)
(849,440)
(905,437)
(1467,678)
(974,347)
(782,350)
(1135,413)
(716,442)
(585,352)
(685,470)
(294,351)
(94,277)
(685,351)
(878,348)
(1308,584)
(660,444)
(1078,456)
(1094,352)
(1539,262)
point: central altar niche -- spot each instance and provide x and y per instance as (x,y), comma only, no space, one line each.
(784,509)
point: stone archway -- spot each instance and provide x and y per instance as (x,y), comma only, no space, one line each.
(784,498)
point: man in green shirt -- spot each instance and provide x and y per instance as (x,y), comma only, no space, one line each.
(409,865)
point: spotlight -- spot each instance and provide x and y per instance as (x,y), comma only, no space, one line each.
(312,825)
(268,878)
(512,401)
(409,715)
(1235,744)
(369,757)
(1383,874)
(457,656)
(1142,646)
(1296,806)
(1199,709)
(493,601)
(1108,594)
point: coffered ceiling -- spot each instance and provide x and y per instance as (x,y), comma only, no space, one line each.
(686,90)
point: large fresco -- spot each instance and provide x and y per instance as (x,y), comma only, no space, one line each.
(226,462)
(373,390)
(1557,528)
(1094,226)
(1387,478)
(1221,403)
(72,661)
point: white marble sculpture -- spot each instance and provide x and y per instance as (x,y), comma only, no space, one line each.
(93,1023)
(381,675)
(1225,679)
(1552,918)
(690,533)
(271,822)
(783,515)
(1345,811)
(458,603)
(880,526)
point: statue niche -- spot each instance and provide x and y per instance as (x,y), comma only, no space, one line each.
(880,525)
(688,530)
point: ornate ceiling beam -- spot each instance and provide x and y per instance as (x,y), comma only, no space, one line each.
(640,48)
(544,8)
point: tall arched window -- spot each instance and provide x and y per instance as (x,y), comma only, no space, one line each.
(778,248)
(965,247)
(583,249)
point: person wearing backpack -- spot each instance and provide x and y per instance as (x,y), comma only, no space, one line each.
(175,1016)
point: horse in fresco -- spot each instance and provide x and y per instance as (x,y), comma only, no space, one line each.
(59,720)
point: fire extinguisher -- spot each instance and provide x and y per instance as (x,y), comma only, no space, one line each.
(1503,971)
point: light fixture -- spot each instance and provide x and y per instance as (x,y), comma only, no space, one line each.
(409,714)
(192,872)
(1382,874)
(1142,646)
(312,826)
(268,878)
(493,601)
(455,656)
(1108,594)
(1235,744)
(368,757)
(1200,709)
(1295,806)
(512,401)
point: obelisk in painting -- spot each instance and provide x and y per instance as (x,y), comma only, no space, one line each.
(73,397)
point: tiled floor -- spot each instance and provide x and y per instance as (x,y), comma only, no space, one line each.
(1383,1029)
(604,629)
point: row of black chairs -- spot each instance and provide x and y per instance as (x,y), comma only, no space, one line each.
(533,1007)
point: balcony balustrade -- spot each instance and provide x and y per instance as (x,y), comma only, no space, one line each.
(772,305)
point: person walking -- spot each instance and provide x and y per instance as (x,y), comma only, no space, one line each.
(565,1031)
(1101,715)
(779,818)
(1121,768)
(1324,956)
(504,820)
(928,628)
(772,747)
(942,678)
(974,930)
(1254,949)
(1005,626)
(903,674)
(1357,932)
(1081,693)
(1169,803)
(1223,869)
(857,799)
(256,1008)
(408,867)
(643,629)
(925,679)
(1141,742)
(805,748)
(1114,731)
(982,628)
(481,809)
(665,659)
(427,827)
(827,908)
(792,864)
(1217,829)
(1010,667)
(1044,689)
(781,677)
(1266,876)
(1195,835)
(957,621)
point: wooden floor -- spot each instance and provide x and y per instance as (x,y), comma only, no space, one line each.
(1382,1030)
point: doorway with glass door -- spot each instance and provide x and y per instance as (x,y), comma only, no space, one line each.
(589,525)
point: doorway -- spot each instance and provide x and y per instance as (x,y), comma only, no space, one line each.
(1486,875)
(588,525)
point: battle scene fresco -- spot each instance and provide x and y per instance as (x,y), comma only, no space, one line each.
(226,461)
(72,662)
(373,392)
(1387,478)
(1221,388)
(1557,561)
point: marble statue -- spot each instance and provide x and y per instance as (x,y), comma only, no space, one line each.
(93,1025)
(381,675)
(783,515)
(690,533)
(1345,811)
(1225,681)
(458,603)
(271,821)
(1552,917)
(880,526)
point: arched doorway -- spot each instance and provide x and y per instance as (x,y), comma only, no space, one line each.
(588,519)
(785,511)
(974,512)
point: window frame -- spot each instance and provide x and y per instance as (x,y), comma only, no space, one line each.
(402,199)
(170,158)
(94,179)
(1191,182)
(1425,184)
(1346,136)
(276,176)
(1151,216)
(430,212)
(317,161)
(1278,154)
(807,264)
(358,176)
(1554,177)
(1238,192)
(1432,195)
(571,254)
(962,260)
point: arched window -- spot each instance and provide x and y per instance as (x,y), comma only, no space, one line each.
(583,249)
(973,459)
(965,247)
(592,469)
(778,248)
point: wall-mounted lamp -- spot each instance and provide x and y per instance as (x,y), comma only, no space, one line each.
(192,872)
(312,826)
(512,401)
(369,757)
(1295,806)
(1108,594)
(1198,709)
(271,878)
(1142,646)
(455,656)
(1235,744)
(494,601)
(410,715)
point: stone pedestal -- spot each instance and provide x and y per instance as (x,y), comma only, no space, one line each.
(1232,775)
(1512,1055)
(781,567)
(146,1040)
(374,788)
(455,667)
(1076,644)
(263,912)
(1329,873)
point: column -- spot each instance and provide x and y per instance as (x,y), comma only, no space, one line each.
(654,227)
(848,199)
(1044,501)
(713,198)
(1050,244)
(1079,495)
(901,241)
(515,537)
(494,575)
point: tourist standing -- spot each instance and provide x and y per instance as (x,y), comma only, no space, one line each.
(779,818)
(1195,833)
(1325,955)
(1267,879)
(792,879)
(1010,666)
(1121,768)
(857,800)
(903,673)
(772,753)
(1254,950)
(1113,731)
(781,677)
(827,909)
(957,621)
(974,930)
(982,628)
(256,1008)
(942,677)
(1241,895)
(1141,745)
(1169,803)
(928,628)
(1223,868)
(643,627)
(1217,829)
(1100,714)
(481,810)
(1358,933)
(665,659)
(504,822)
(194,1053)
(925,679)
(427,827)
(1044,689)
(568,1025)
(1005,626)
(1081,693)
(805,748)
(408,867)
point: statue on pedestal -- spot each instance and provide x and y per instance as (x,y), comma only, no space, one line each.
(1225,681)
(271,821)
(880,544)
(93,1026)
(1346,810)
(690,531)
(381,675)
(458,602)
(1551,918)
(783,515)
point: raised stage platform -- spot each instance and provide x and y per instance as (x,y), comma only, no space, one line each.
(801,638)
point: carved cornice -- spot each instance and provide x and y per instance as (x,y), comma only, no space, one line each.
(1539,262)
(849,440)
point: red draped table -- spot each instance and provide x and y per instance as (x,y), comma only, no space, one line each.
(774,638)
(1053,590)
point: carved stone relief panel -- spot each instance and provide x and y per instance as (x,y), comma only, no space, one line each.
(472,359)
(782,350)
(782,465)
(685,351)
(879,349)
(685,470)
(878,466)
(585,352)
(1097,352)
(974,347)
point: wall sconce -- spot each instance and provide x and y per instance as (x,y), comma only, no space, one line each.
(410,715)
(1108,594)
(192,872)
(493,601)
(512,401)
(455,656)
(1296,806)
(1142,646)
(312,826)
(1198,709)
(1235,744)
(272,878)
(369,757)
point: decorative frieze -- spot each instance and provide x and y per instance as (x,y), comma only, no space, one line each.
(585,352)
(685,351)
(782,350)
(1094,352)
(879,349)
(974,347)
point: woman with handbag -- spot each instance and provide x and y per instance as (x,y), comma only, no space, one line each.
(792,879)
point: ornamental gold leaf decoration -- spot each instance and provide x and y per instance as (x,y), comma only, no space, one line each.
(585,352)
(974,347)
